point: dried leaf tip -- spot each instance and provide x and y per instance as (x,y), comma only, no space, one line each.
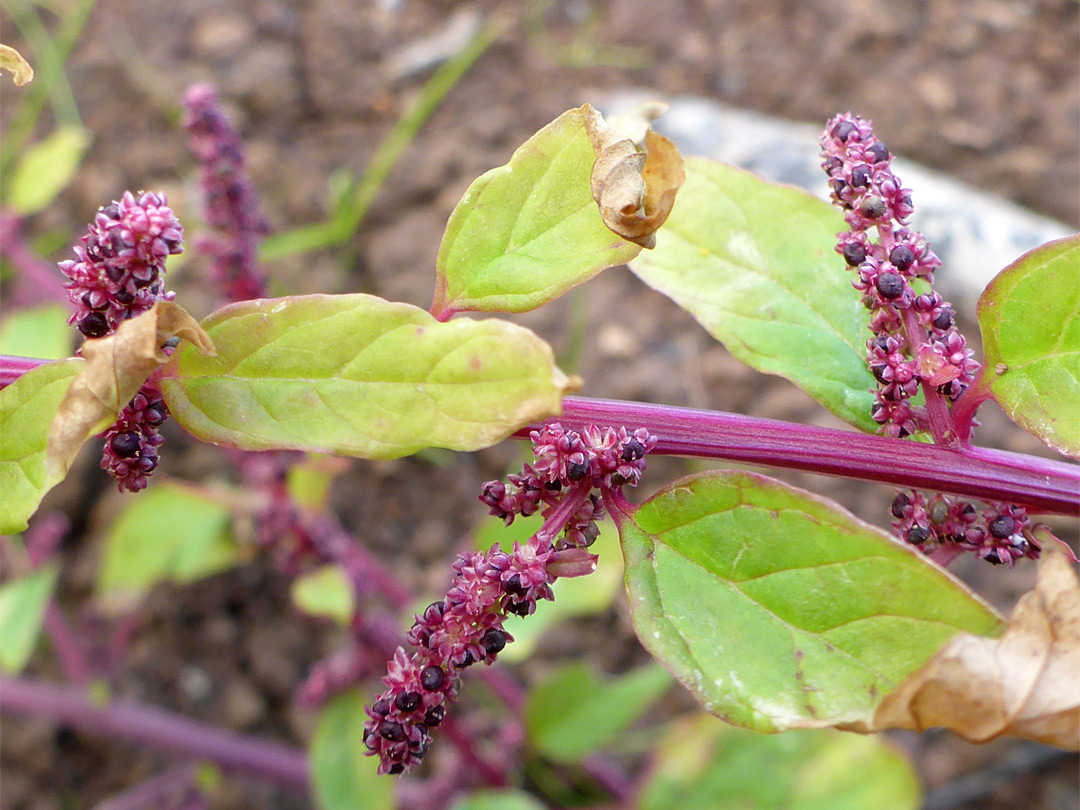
(634,189)
(12,61)
(116,367)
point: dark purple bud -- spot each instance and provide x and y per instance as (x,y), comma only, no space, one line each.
(633,450)
(381,707)
(434,612)
(881,343)
(553,486)
(944,319)
(493,641)
(369,740)
(901,257)
(590,533)
(396,769)
(434,716)
(854,254)
(126,445)
(899,504)
(467,659)
(114,273)
(917,535)
(1002,526)
(94,325)
(392,730)
(124,296)
(577,469)
(519,608)
(842,130)
(408,701)
(878,152)
(890,285)
(148,464)
(879,373)
(512,585)
(832,164)
(860,176)
(432,678)
(154,416)
(838,186)
(873,207)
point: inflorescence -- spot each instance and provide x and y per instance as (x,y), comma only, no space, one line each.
(118,273)
(915,336)
(230,199)
(466,626)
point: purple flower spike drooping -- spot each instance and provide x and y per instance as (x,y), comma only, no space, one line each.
(467,625)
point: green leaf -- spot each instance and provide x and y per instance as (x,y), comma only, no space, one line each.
(326,591)
(778,609)
(167,534)
(359,376)
(27,408)
(527,232)
(577,596)
(754,263)
(45,170)
(706,765)
(573,712)
(22,610)
(1029,316)
(499,800)
(343,777)
(40,331)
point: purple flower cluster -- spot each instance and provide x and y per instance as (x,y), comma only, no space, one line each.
(232,203)
(130,454)
(118,274)
(466,626)
(915,337)
(946,526)
(119,269)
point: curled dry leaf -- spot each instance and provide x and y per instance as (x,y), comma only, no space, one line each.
(635,190)
(1023,684)
(11,61)
(116,367)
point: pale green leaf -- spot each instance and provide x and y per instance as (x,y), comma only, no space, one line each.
(778,609)
(45,170)
(343,778)
(499,800)
(527,232)
(754,263)
(167,534)
(572,713)
(705,765)
(1029,316)
(22,610)
(326,591)
(41,331)
(27,408)
(359,376)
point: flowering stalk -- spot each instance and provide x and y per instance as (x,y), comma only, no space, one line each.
(466,626)
(231,201)
(118,273)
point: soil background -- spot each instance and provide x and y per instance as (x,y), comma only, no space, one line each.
(986,91)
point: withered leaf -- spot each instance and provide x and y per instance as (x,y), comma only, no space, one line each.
(635,190)
(116,367)
(12,61)
(1024,684)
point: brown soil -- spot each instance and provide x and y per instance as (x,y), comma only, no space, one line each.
(986,91)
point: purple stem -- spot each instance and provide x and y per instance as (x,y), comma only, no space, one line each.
(153,792)
(963,411)
(11,368)
(36,280)
(157,728)
(68,648)
(1044,485)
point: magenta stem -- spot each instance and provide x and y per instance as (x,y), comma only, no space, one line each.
(69,650)
(153,792)
(963,410)
(11,368)
(36,281)
(157,728)
(941,421)
(993,475)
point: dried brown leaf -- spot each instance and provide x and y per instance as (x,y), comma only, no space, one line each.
(635,190)
(116,367)
(1024,684)
(11,61)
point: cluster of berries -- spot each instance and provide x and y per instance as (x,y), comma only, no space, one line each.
(118,274)
(946,526)
(915,337)
(120,266)
(230,199)
(466,626)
